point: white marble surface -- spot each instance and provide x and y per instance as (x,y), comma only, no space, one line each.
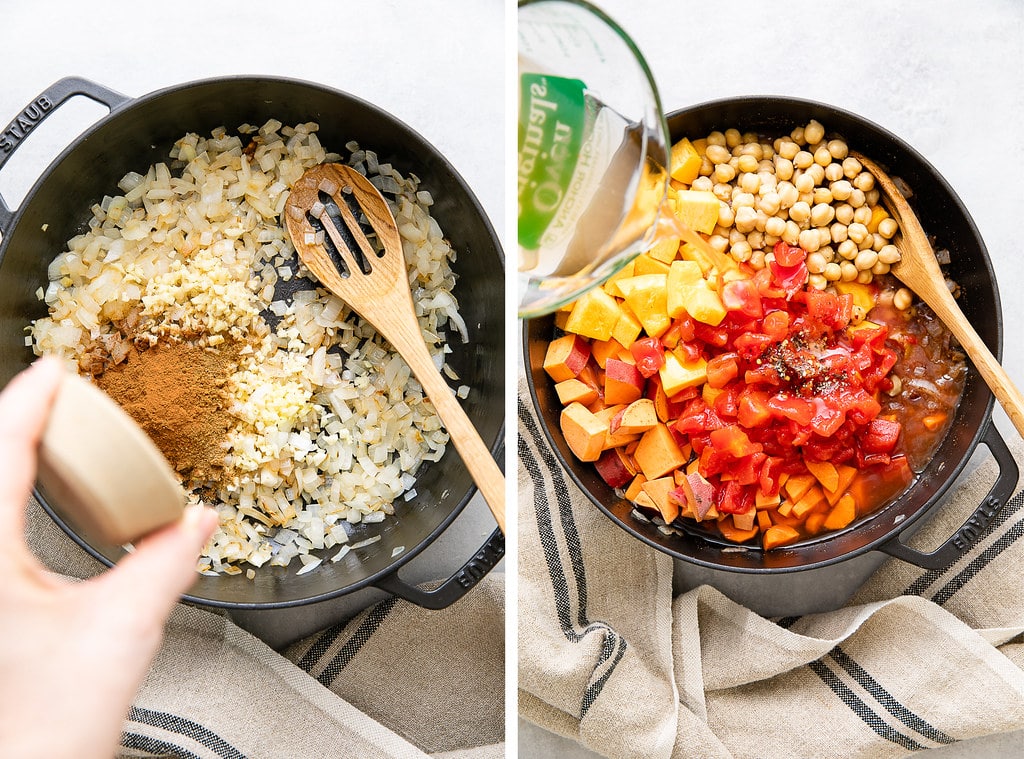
(944,75)
(435,64)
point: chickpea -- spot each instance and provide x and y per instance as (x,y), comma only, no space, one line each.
(844,212)
(770,240)
(889,254)
(770,203)
(849,271)
(746,218)
(716,138)
(880,268)
(838,232)
(732,137)
(749,137)
(803,160)
(817,281)
(833,172)
(767,151)
(741,251)
(757,259)
(735,235)
(841,189)
(871,197)
(748,163)
(822,214)
(864,181)
(806,197)
(756,238)
(865,260)
(857,198)
(797,135)
(787,149)
(887,228)
(865,277)
(816,262)
(822,157)
(814,132)
(902,299)
(833,273)
(792,233)
(702,183)
(717,153)
(734,161)
(847,249)
(862,215)
(752,148)
(788,194)
(706,167)
(827,251)
(809,240)
(800,212)
(723,191)
(804,182)
(877,242)
(725,215)
(719,243)
(783,167)
(838,149)
(824,236)
(743,199)
(724,172)
(775,226)
(750,182)
(760,220)
(817,172)
(857,232)
(766,165)
(823,195)
(851,167)
(768,181)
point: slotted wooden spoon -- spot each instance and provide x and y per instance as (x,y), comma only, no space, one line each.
(919,270)
(377,287)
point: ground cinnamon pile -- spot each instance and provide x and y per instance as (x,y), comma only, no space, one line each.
(175,393)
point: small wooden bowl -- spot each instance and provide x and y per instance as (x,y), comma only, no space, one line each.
(106,473)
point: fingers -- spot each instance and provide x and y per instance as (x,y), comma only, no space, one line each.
(24,409)
(151,579)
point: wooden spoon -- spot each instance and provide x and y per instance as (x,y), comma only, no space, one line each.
(919,271)
(377,286)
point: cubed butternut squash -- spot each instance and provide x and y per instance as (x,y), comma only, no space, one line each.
(594,315)
(685,162)
(658,452)
(584,432)
(658,490)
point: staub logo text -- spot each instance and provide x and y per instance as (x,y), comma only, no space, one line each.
(24,123)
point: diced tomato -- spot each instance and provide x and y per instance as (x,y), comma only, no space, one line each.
(751,345)
(725,404)
(722,369)
(789,278)
(753,408)
(715,336)
(649,355)
(735,499)
(681,329)
(776,324)
(832,311)
(881,436)
(787,406)
(788,255)
(768,477)
(741,295)
(734,441)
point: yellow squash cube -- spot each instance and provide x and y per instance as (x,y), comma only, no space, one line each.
(697,209)
(611,285)
(627,328)
(646,296)
(594,315)
(685,161)
(665,250)
(676,375)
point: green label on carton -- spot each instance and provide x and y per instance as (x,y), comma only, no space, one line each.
(551,122)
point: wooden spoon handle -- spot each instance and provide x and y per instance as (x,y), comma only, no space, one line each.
(474,452)
(1009,397)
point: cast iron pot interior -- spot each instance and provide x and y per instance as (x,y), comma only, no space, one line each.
(942,215)
(140,132)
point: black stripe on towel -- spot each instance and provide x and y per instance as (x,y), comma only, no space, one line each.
(614,646)
(862,710)
(883,697)
(359,638)
(927,579)
(173,723)
(978,563)
(155,747)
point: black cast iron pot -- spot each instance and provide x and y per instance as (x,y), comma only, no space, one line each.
(943,215)
(139,132)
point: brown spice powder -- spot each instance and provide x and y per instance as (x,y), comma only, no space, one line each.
(175,393)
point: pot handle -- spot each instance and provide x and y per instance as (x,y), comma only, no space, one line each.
(969,532)
(40,109)
(456,586)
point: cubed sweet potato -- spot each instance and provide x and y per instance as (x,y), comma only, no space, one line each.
(566,356)
(623,382)
(658,490)
(583,431)
(659,453)
(575,391)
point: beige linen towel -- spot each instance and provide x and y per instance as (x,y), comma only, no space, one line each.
(609,658)
(396,682)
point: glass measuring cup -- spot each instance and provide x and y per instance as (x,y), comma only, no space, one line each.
(593,146)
